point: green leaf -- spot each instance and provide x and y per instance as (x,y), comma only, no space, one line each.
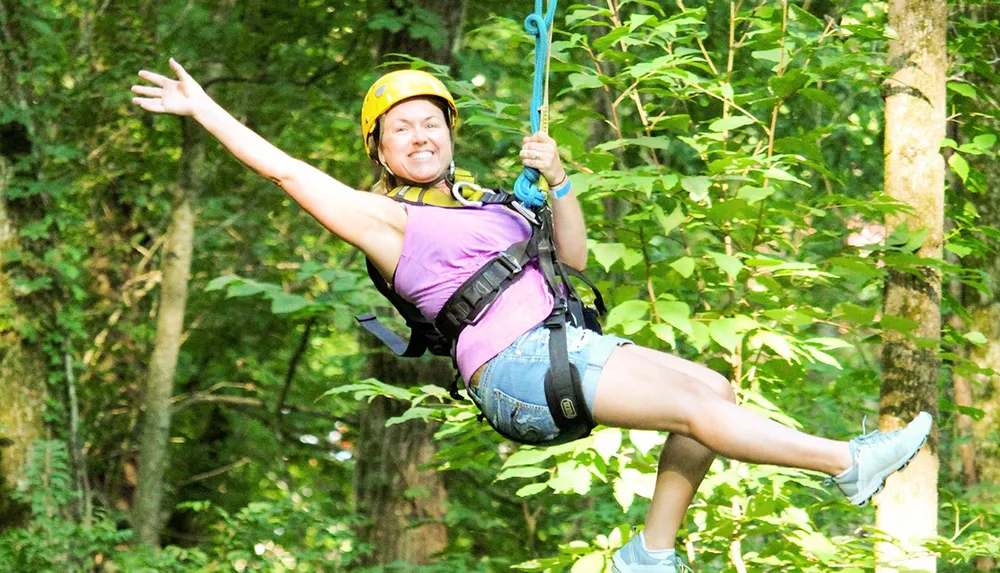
(584,81)
(607,253)
(985,140)
(959,165)
(628,311)
(520,472)
(777,343)
(976,338)
(675,313)
(642,483)
(967,90)
(697,187)
(898,323)
(593,563)
(752,194)
(416,412)
(809,21)
(700,336)
(249,288)
(284,303)
(960,250)
(631,258)
(831,343)
(607,442)
(608,40)
(730,123)
(219,282)
(823,357)
(684,266)
(665,333)
(782,175)
(783,86)
(723,331)
(668,223)
(773,55)
(728,263)
(623,494)
(645,440)
(531,489)
(528,456)
(820,97)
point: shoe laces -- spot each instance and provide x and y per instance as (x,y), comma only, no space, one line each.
(865,439)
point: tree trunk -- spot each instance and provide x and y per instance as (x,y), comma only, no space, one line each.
(914,174)
(402,501)
(176,266)
(22,372)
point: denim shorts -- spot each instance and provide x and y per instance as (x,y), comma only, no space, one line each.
(511,389)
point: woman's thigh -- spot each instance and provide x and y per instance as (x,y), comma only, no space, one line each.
(642,388)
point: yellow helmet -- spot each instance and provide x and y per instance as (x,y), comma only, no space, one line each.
(393,88)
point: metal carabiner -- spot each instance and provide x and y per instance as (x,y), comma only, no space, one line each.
(456,192)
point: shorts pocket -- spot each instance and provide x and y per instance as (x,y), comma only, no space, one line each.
(520,421)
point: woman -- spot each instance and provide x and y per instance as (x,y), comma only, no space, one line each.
(426,252)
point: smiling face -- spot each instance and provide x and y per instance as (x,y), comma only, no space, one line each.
(415,141)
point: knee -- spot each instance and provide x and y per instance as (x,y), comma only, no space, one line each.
(720,385)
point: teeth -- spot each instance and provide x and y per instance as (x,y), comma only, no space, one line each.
(421,155)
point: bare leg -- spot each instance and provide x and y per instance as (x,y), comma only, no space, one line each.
(644,389)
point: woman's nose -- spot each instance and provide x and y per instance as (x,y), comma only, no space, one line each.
(419,136)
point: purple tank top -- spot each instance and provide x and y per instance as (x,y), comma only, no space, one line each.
(442,247)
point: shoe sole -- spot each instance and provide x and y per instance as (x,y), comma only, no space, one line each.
(881,482)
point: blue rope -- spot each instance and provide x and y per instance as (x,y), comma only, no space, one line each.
(538,23)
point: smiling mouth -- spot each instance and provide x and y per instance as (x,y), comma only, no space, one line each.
(423,154)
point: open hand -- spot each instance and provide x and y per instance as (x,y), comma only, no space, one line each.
(179,97)
(540,152)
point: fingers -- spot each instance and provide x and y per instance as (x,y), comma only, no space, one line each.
(147,91)
(154,105)
(176,67)
(540,137)
(532,156)
(154,78)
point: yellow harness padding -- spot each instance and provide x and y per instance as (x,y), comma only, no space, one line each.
(421,196)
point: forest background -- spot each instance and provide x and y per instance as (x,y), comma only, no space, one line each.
(183,385)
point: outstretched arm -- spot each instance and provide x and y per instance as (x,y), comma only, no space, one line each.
(362,219)
(540,151)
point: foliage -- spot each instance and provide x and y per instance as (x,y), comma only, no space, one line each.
(725,158)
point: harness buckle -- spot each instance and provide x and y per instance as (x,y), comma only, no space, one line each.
(525,212)
(506,259)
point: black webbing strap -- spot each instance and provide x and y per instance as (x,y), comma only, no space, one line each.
(563,387)
(471,300)
(423,336)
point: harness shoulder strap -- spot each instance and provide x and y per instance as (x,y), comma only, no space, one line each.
(423,335)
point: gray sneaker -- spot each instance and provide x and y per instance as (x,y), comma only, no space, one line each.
(877,456)
(633,558)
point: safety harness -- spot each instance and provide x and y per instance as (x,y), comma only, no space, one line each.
(563,389)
